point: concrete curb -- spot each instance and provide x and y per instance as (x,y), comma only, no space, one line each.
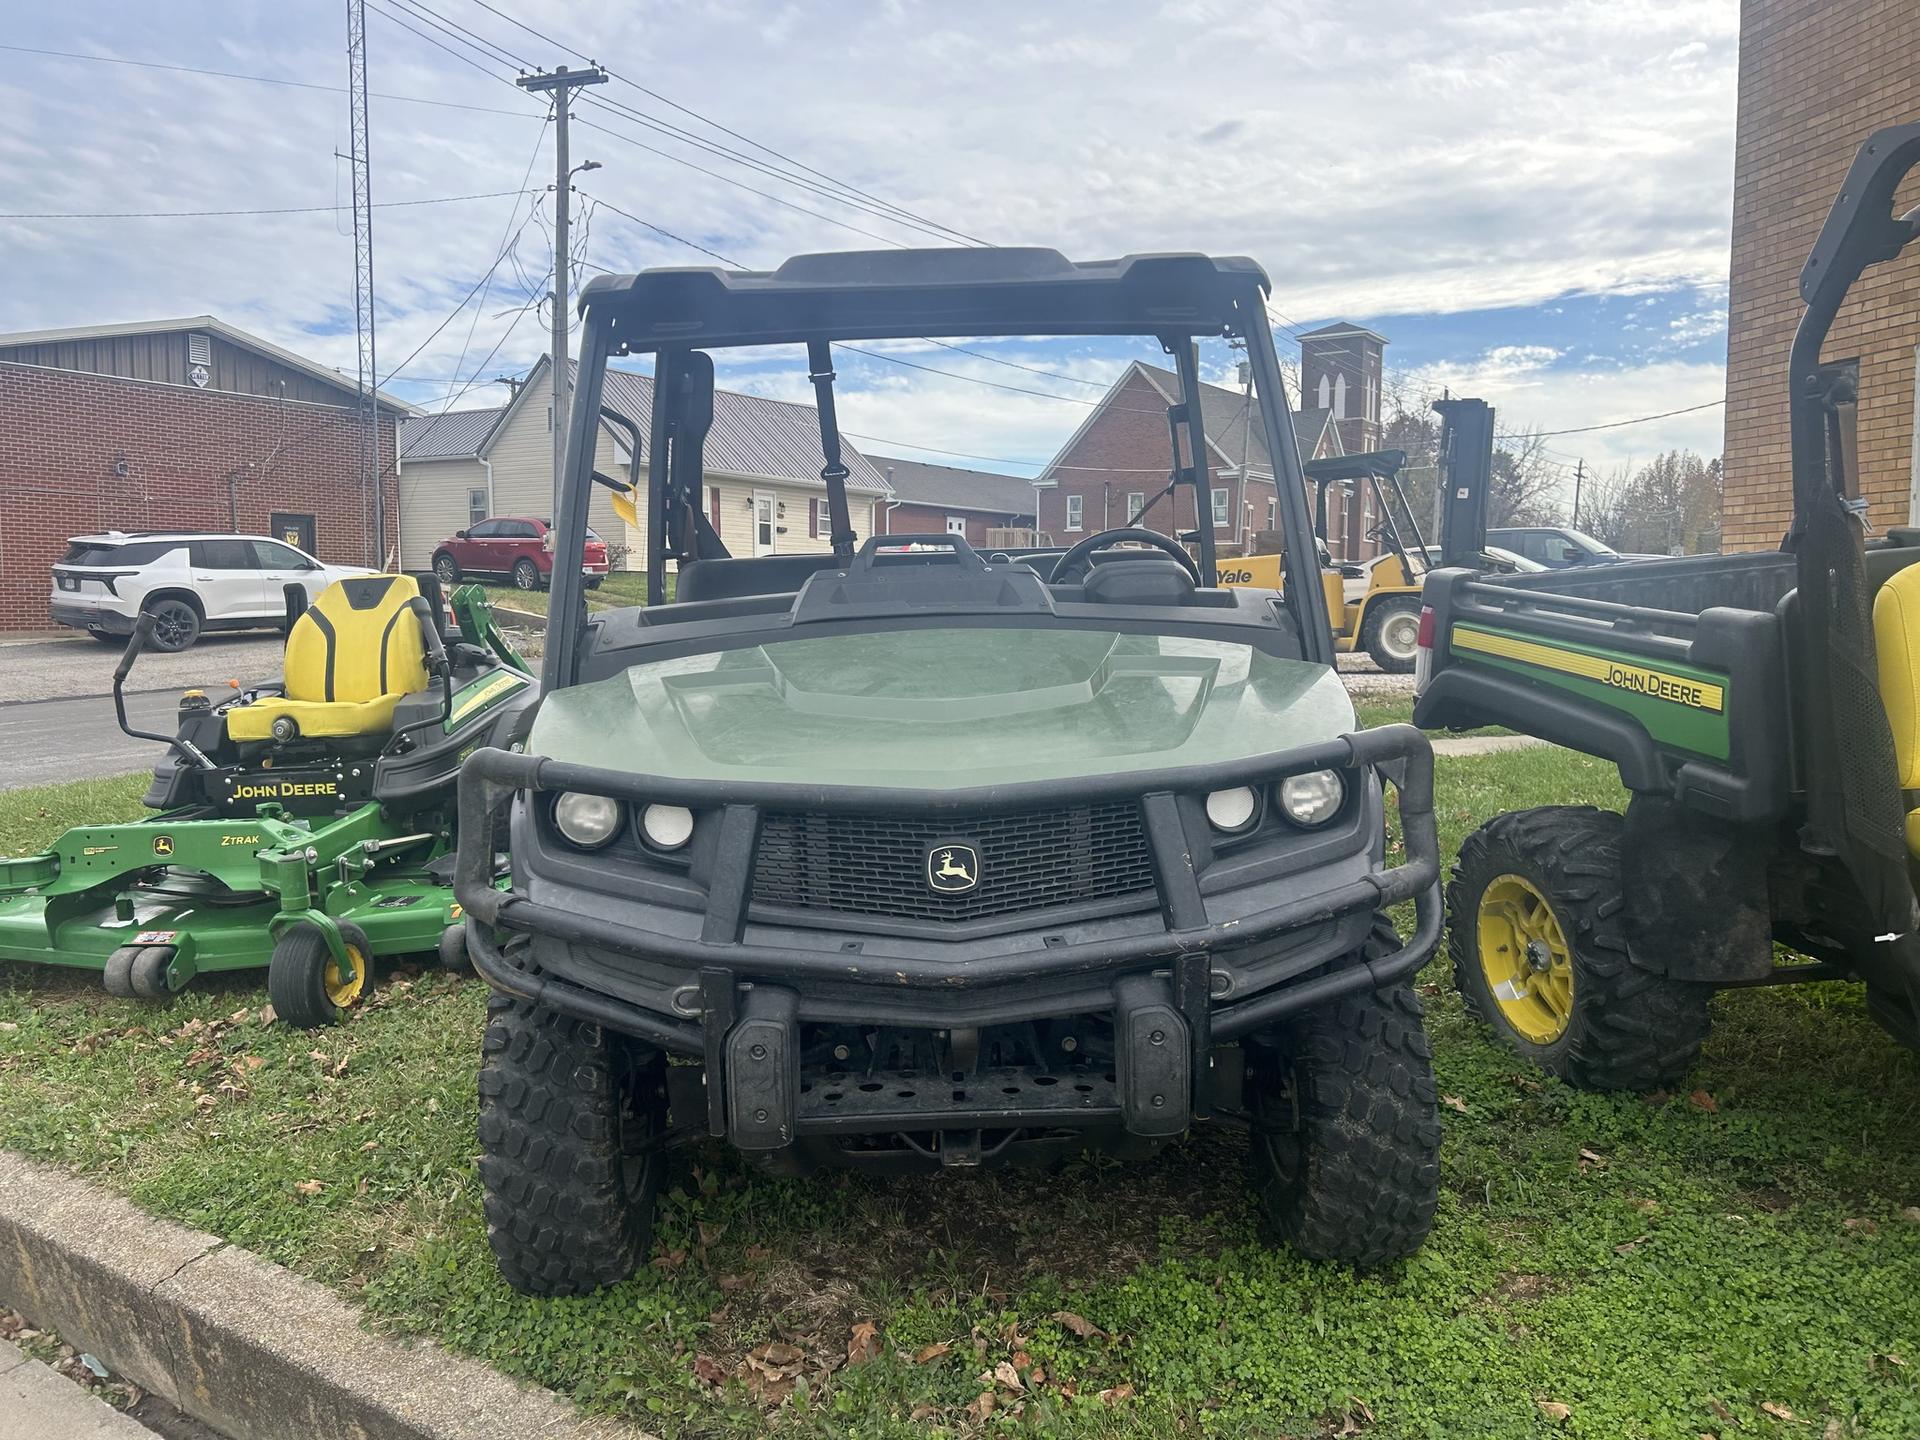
(519,619)
(245,1346)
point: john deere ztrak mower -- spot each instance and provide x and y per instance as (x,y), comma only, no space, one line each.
(307,826)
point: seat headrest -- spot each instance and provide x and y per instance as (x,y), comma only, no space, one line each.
(1138,582)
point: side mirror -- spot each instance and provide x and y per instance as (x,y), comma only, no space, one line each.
(459,534)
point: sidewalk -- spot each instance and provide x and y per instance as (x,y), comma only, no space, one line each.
(37,1404)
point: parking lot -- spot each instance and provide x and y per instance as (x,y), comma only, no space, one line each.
(70,666)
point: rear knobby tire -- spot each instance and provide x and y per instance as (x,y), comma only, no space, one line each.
(1346,1136)
(1392,634)
(571,1118)
(1627,1028)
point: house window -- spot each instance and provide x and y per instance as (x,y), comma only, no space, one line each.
(957,525)
(1272,505)
(1326,393)
(477,506)
(1074,509)
(1136,502)
(1340,397)
(713,507)
(813,519)
(1219,509)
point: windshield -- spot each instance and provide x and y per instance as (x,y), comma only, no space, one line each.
(945,708)
(1588,543)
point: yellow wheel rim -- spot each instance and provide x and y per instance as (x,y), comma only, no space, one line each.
(1526,959)
(343,990)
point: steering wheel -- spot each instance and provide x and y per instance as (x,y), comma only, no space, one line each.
(1080,556)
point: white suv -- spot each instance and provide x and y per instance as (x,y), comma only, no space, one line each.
(189,583)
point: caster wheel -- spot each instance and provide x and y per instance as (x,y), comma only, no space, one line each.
(453,950)
(149,975)
(308,987)
(118,977)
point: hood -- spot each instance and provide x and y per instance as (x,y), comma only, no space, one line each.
(944,709)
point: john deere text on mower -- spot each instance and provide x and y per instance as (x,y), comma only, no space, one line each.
(305,826)
(1764,709)
(921,859)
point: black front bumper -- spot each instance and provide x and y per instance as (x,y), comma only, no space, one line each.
(1157,979)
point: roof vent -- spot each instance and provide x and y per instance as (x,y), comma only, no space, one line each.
(199,349)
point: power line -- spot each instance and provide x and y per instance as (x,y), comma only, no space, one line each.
(506,245)
(256,79)
(273,210)
(1616,424)
(484,281)
(724,130)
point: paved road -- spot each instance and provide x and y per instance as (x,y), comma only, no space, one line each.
(56,740)
(71,665)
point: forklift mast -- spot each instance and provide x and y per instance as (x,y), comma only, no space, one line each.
(1466,475)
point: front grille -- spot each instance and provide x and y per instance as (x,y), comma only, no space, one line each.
(877,864)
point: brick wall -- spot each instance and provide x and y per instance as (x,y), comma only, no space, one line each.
(68,434)
(1815,81)
(907,519)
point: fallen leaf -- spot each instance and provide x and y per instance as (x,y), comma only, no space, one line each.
(926,1354)
(982,1407)
(729,1284)
(710,1370)
(863,1343)
(9,1026)
(1629,1246)
(1864,1227)
(710,1234)
(309,1187)
(1454,1102)
(1701,1100)
(1778,1412)
(1005,1374)
(1078,1324)
(775,1353)
(921,1412)
(759,1252)
(1720,1412)
(268,1014)
(1591,1157)
(1117,1395)
(1555,1411)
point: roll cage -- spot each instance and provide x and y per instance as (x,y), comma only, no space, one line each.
(681,315)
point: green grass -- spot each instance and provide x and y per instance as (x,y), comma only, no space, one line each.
(1663,1268)
(620,589)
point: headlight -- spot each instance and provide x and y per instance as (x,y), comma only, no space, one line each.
(667,827)
(588,821)
(1313,798)
(1232,810)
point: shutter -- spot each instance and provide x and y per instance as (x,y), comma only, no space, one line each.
(813,519)
(713,507)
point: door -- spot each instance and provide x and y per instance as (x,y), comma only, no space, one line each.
(766,512)
(281,566)
(484,549)
(226,577)
(518,540)
(294,530)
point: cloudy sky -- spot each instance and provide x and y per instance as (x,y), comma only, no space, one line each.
(1531,200)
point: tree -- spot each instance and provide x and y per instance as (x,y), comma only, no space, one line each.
(1671,505)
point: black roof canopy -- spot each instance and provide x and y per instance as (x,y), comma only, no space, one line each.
(878,294)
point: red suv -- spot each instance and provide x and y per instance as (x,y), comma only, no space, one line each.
(511,547)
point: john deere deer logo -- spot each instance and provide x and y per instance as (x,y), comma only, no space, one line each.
(953,868)
(163,845)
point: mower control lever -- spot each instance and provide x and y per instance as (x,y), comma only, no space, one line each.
(136,644)
(437,666)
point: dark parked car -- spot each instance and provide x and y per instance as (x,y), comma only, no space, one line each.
(1559,548)
(511,547)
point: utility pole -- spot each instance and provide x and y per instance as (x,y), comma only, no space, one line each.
(562,82)
(1579,473)
(367,403)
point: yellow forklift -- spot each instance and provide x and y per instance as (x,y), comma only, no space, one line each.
(1384,619)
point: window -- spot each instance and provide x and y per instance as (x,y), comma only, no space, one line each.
(1326,393)
(957,525)
(223,555)
(274,556)
(1136,501)
(1272,506)
(1340,397)
(143,552)
(713,507)
(486,530)
(813,519)
(516,530)
(1075,504)
(1219,509)
(477,506)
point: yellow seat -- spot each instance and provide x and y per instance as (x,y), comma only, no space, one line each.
(350,658)
(1896,640)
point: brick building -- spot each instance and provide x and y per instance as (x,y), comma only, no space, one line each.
(173,425)
(930,499)
(1815,81)
(1120,456)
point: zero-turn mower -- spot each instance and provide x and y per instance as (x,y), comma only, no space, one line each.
(306,826)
